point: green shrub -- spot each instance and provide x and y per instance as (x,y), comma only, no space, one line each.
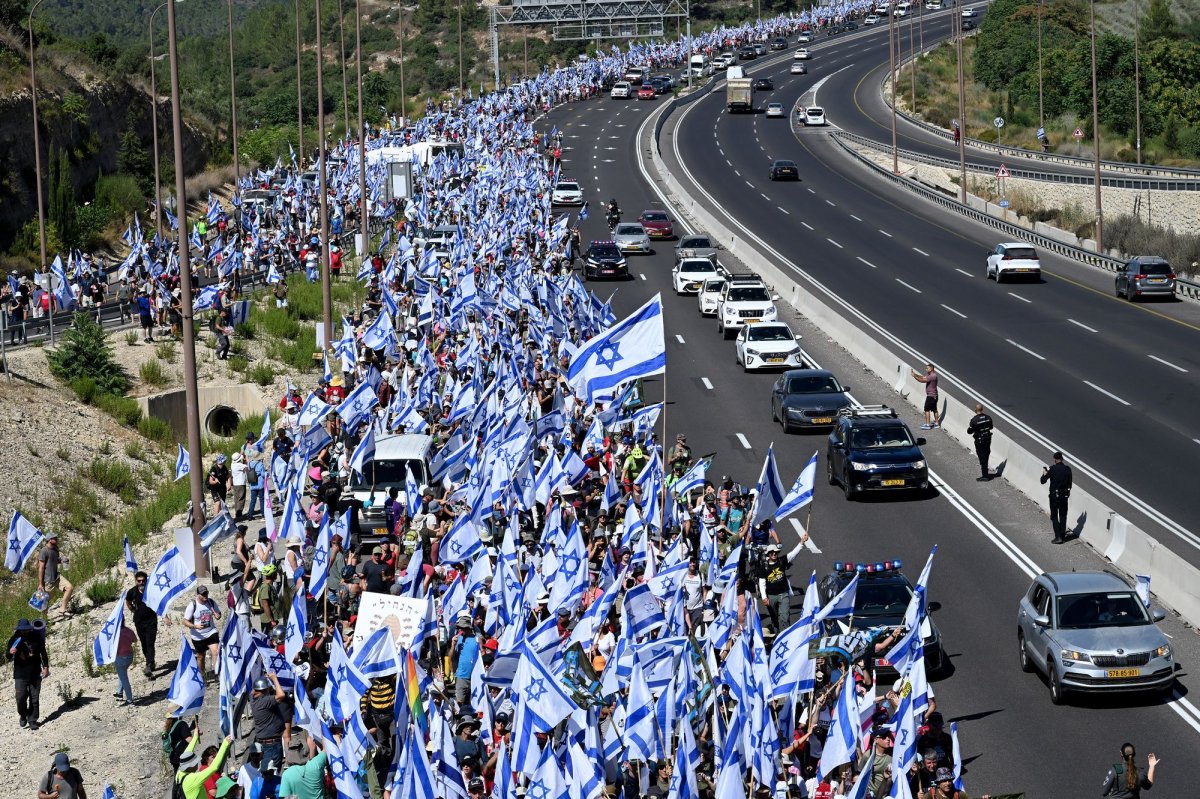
(63,453)
(165,350)
(104,590)
(278,324)
(83,352)
(114,476)
(81,505)
(135,450)
(123,409)
(262,374)
(155,429)
(246,330)
(85,389)
(120,193)
(131,338)
(238,364)
(152,373)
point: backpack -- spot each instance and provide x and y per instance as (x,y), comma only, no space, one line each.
(168,737)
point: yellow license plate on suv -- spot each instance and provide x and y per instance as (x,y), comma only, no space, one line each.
(822,420)
(1119,673)
(893,482)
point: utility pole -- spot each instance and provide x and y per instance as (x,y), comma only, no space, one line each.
(323,187)
(1041,105)
(962,115)
(895,76)
(342,58)
(195,445)
(37,162)
(1137,82)
(1096,135)
(154,122)
(363,217)
(233,130)
(299,93)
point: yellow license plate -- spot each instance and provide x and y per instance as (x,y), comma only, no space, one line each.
(1118,673)
(893,482)
(776,359)
(381,531)
(822,419)
(751,321)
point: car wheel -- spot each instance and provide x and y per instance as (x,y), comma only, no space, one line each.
(847,487)
(1023,654)
(1118,291)
(787,428)
(999,276)
(987,272)
(1057,694)
(829,469)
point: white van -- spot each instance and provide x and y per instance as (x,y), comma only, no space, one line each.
(635,74)
(396,458)
(699,66)
(903,9)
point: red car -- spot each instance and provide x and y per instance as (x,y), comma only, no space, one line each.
(657,224)
(645,93)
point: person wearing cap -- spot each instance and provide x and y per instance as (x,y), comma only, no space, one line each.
(465,648)
(466,739)
(268,598)
(1059,477)
(880,782)
(218,479)
(228,789)
(256,478)
(237,481)
(50,576)
(681,453)
(775,588)
(192,774)
(376,574)
(200,618)
(31,664)
(62,781)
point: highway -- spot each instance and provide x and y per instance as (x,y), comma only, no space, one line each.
(990,540)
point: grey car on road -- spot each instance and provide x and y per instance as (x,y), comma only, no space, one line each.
(1145,276)
(1090,632)
(697,246)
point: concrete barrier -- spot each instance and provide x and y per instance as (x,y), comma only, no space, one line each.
(221,408)
(1173,580)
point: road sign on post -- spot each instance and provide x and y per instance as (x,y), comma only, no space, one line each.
(1078,134)
(1002,172)
(1041,133)
(999,123)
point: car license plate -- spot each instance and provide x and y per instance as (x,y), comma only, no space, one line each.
(882,662)
(775,359)
(822,419)
(899,482)
(608,271)
(1118,673)
(1157,280)
(381,531)
(751,321)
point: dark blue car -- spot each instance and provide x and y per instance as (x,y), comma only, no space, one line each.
(872,449)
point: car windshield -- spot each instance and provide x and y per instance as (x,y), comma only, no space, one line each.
(1101,609)
(698,242)
(386,474)
(785,165)
(813,384)
(713,286)
(568,187)
(654,216)
(629,230)
(1021,253)
(749,294)
(880,437)
(769,333)
(889,598)
(605,251)
(698,266)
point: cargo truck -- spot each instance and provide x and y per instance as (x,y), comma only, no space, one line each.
(739,91)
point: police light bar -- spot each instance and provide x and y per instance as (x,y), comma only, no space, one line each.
(878,567)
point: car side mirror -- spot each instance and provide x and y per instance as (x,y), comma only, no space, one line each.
(837,445)
(934,606)
(920,442)
(1158,614)
(1042,621)
(845,389)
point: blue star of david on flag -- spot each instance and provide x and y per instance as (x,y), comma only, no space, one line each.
(609,355)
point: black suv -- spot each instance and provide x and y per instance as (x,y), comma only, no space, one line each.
(880,600)
(747,53)
(604,259)
(779,43)
(872,449)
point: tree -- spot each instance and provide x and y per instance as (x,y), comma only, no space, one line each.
(83,351)
(1158,22)
(133,160)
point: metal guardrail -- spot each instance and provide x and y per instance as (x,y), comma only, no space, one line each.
(1138,184)
(1184,288)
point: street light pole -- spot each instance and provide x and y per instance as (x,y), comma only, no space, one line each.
(342,58)
(37,160)
(1041,107)
(363,217)
(962,115)
(233,130)
(196,474)
(323,187)
(1096,134)
(912,62)
(892,63)
(299,92)
(461,91)
(403,96)
(154,122)
(1137,82)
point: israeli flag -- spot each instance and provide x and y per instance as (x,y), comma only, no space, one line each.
(769,491)
(187,684)
(320,560)
(958,764)
(206,299)
(1142,588)
(23,539)
(364,452)
(130,561)
(801,492)
(183,464)
(841,606)
(633,348)
(841,744)
(357,403)
(297,625)
(170,578)
(104,646)
(314,410)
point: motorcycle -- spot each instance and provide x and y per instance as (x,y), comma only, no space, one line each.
(614,218)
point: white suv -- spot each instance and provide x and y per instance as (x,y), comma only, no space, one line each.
(744,302)
(621,90)
(1013,259)
(709,295)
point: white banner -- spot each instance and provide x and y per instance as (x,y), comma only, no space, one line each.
(401,613)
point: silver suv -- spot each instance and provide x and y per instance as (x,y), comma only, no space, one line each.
(1089,631)
(1146,276)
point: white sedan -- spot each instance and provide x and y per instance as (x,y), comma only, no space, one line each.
(767,345)
(872,19)
(798,68)
(567,192)
(814,115)
(804,38)
(775,110)
(690,274)
(802,54)
(709,295)
(968,12)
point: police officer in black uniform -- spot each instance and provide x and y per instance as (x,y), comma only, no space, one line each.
(981,429)
(1059,478)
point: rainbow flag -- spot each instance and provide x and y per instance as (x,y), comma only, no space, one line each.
(412,689)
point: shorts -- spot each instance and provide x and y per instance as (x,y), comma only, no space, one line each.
(931,404)
(205,643)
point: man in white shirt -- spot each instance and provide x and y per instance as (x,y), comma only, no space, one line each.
(237,473)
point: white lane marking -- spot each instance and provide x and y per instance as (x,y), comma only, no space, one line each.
(1085,327)
(829,202)
(748,183)
(868,263)
(742,439)
(765,197)
(809,544)
(786,211)
(1197,440)
(810,191)
(951,310)
(727,161)
(835,244)
(736,172)
(643,277)
(1019,297)
(963,271)
(915,249)
(810,227)
(1107,393)
(707,383)
(855,218)
(679,338)
(1026,350)
(884,232)
(908,286)
(1167,363)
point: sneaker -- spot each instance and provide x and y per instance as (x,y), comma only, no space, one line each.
(33,725)
(24,721)
(935,426)
(926,427)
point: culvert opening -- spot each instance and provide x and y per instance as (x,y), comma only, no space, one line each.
(222,421)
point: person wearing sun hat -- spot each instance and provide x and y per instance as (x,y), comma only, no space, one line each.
(190,777)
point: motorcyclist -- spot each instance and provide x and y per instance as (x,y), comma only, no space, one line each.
(614,213)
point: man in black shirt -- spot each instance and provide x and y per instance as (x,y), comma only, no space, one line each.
(376,574)
(1059,478)
(980,429)
(271,723)
(145,621)
(31,664)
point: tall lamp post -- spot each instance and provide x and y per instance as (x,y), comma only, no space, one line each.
(299,91)
(196,474)
(37,159)
(323,187)
(1041,105)
(233,130)
(1096,134)
(403,96)
(342,58)
(362,130)
(1137,83)
(154,122)
(892,57)
(962,115)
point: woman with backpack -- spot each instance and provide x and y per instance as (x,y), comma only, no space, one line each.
(190,777)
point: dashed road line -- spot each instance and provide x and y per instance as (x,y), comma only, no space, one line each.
(810,227)
(855,218)
(786,211)
(1167,363)
(884,232)
(1085,327)
(908,286)
(642,276)
(918,249)
(956,313)
(745,443)
(1019,297)
(679,338)
(868,263)
(830,202)
(1025,349)
(1108,394)
(963,271)
(707,383)
(834,243)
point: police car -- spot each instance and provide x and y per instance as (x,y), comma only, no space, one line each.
(567,192)
(881,600)
(603,259)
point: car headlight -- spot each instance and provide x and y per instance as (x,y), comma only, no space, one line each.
(752,353)
(918,464)
(1163,651)
(861,467)
(1069,655)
